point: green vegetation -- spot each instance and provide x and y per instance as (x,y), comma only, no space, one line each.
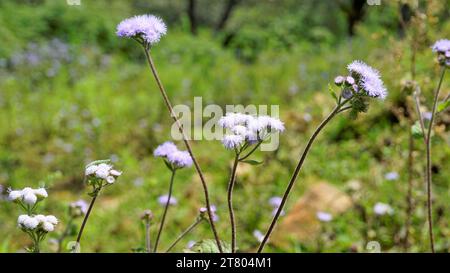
(72,92)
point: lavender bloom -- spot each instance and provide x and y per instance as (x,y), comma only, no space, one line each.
(368,79)
(427,115)
(148,27)
(162,200)
(382,209)
(165,149)
(78,208)
(275,202)
(441,46)
(232,141)
(180,159)
(170,152)
(324,216)
(391,176)
(215,217)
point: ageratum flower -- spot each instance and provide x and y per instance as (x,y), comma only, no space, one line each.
(78,208)
(441,46)
(175,157)
(368,79)
(213,209)
(28,195)
(382,209)
(232,141)
(147,27)
(103,172)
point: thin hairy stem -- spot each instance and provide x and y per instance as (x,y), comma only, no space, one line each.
(166,208)
(296,172)
(231,183)
(409,197)
(428,151)
(148,246)
(184,233)
(86,217)
(188,146)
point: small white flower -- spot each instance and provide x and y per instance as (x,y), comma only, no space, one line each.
(30,223)
(91,170)
(21,219)
(239,130)
(41,193)
(40,218)
(15,195)
(27,190)
(30,199)
(51,219)
(324,216)
(382,209)
(102,173)
(115,173)
(110,179)
(47,226)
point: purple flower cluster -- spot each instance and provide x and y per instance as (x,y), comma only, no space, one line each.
(170,152)
(148,27)
(442,47)
(367,79)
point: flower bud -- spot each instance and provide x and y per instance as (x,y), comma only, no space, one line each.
(339,80)
(147,215)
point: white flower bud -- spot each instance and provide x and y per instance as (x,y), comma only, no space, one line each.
(115,173)
(91,170)
(21,219)
(110,179)
(41,193)
(40,218)
(30,223)
(30,199)
(47,226)
(51,219)
(15,195)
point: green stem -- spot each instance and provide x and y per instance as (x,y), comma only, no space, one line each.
(161,226)
(86,217)
(296,172)
(147,237)
(184,233)
(186,142)
(230,202)
(428,152)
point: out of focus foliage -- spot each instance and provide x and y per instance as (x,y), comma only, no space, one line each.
(72,92)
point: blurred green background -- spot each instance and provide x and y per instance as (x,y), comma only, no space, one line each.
(72,92)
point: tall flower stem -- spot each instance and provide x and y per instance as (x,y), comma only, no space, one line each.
(163,219)
(186,142)
(231,183)
(297,171)
(86,217)
(426,132)
(147,237)
(198,220)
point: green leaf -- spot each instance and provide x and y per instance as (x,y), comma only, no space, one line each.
(208,246)
(443,105)
(416,130)
(96,162)
(332,93)
(252,162)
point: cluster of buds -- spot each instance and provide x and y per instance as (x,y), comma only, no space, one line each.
(204,213)
(348,85)
(99,174)
(27,196)
(38,223)
(442,48)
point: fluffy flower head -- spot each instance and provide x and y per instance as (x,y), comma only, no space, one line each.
(441,46)
(368,79)
(148,27)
